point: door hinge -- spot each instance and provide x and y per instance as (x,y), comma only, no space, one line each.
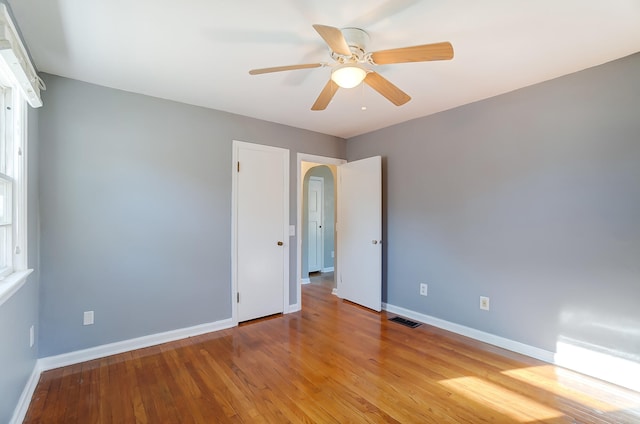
(238,166)
(238,297)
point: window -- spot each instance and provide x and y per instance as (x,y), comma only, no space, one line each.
(11,166)
(19,84)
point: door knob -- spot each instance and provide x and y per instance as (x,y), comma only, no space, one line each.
(374,241)
(280,243)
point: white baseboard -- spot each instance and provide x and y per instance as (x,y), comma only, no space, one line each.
(330,269)
(534,352)
(294,308)
(91,353)
(305,281)
(566,357)
(25,398)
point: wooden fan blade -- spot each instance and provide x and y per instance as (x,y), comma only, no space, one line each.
(388,90)
(334,38)
(325,96)
(422,53)
(284,68)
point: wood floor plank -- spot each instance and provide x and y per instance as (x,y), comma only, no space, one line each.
(333,362)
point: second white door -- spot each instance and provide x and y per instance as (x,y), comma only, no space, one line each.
(315,207)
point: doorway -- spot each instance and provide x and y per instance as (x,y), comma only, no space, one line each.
(369,259)
(318,226)
(358,248)
(325,168)
(321,218)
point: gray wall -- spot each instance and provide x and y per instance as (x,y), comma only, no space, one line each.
(136,211)
(17,314)
(531,198)
(16,357)
(329,211)
(20,312)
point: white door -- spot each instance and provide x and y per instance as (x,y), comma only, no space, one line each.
(360,232)
(261,223)
(315,239)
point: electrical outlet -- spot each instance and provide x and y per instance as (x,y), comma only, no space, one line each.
(32,336)
(484,303)
(423,289)
(88,318)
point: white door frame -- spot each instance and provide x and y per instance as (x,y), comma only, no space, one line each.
(322,160)
(234,226)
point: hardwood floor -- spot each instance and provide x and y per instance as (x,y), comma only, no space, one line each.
(334,362)
(323,278)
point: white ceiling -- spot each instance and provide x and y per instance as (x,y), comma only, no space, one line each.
(200,51)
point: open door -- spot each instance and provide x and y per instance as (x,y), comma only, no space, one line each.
(359,278)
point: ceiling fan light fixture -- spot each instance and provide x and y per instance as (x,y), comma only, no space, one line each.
(348,76)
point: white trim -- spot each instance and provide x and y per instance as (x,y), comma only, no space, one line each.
(21,184)
(534,352)
(65,359)
(305,281)
(237,144)
(323,160)
(12,283)
(25,398)
(329,269)
(295,308)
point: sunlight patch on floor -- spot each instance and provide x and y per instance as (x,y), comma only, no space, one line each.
(542,377)
(501,399)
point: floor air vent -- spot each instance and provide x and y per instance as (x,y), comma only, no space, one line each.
(405,322)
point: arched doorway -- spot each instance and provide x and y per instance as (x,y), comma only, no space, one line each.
(318,223)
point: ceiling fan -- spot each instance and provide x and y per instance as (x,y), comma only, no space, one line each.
(349,52)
